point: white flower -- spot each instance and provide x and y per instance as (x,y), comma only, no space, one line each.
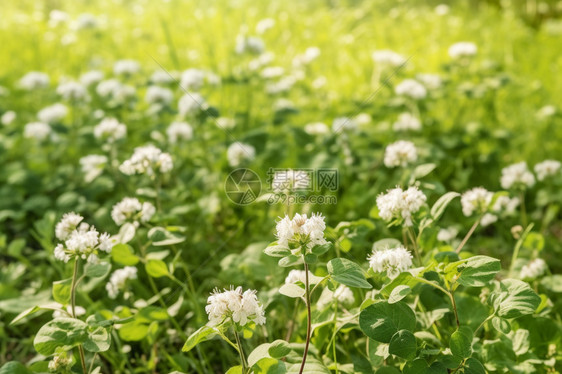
(37,130)
(225,123)
(400,153)
(192,79)
(91,77)
(34,80)
(342,294)
(407,121)
(411,88)
(85,21)
(57,17)
(78,310)
(249,44)
(191,104)
(547,168)
(272,72)
(179,131)
(462,49)
(236,306)
(283,85)
(363,119)
(115,91)
(546,111)
(442,9)
(295,276)
(158,95)
(476,200)
(52,114)
(110,130)
(534,269)
(147,160)
(517,175)
(311,54)
(283,104)
(118,280)
(316,128)
(161,77)
(431,81)
(388,58)
(506,205)
(447,234)
(344,124)
(60,253)
(60,362)
(301,229)
(287,180)
(392,261)
(238,152)
(399,204)
(126,67)
(80,239)
(73,91)
(92,166)
(488,219)
(8,117)
(67,224)
(264,25)
(131,209)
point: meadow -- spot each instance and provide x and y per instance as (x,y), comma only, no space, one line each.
(280,187)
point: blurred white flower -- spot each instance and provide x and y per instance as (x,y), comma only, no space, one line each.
(179,131)
(488,219)
(316,128)
(113,90)
(130,209)
(476,200)
(311,54)
(442,9)
(264,25)
(249,44)
(388,58)
(238,152)
(147,160)
(447,234)
(272,72)
(126,67)
(401,153)
(92,166)
(73,91)
(57,17)
(547,168)
(158,95)
(411,88)
(8,117)
(60,362)
(546,111)
(392,261)
(344,124)
(119,279)
(67,224)
(431,81)
(363,119)
(342,294)
(399,204)
(300,228)
(462,49)
(53,113)
(191,103)
(225,123)
(91,77)
(192,79)
(161,77)
(80,240)
(34,80)
(295,276)
(235,306)
(505,205)
(517,175)
(37,130)
(85,21)
(534,269)
(407,122)
(110,130)
(78,311)
(282,85)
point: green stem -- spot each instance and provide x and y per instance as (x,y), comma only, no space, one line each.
(308,319)
(517,248)
(468,235)
(412,236)
(449,294)
(73,305)
(334,336)
(483,323)
(523,208)
(241,352)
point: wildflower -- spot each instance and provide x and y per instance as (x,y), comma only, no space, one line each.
(534,269)
(91,77)
(488,219)
(233,305)
(264,25)
(476,200)
(392,261)
(249,44)
(126,67)
(316,128)
(342,294)
(447,234)
(33,81)
(505,205)
(363,119)
(73,91)
(388,58)
(238,152)
(147,160)
(406,122)
(288,180)
(399,204)
(158,95)
(311,54)
(60,362)
(191,104)
(80,240)
(225,123)
(517,175)
(115,91)
(179,131)
(131,209)
(344,124)
(546,111)
(92,166)
(161,77)
(462,49)
(301,231)
(57,17)
(400,153)
(283,85)
(547,168)
(37,130)
(118,280)
(192,79)
(110,130)
(431,81)
(52,114)
(411,88)
(85,21)
(295,276)
(272,72)
(67,224)
(8,117)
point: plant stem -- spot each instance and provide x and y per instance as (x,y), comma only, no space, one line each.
(468,235)
(523,209)
(483,323)
(449,294)
(308,319)
(334,336)
(454,303)
(73,305)
(412,235)
(292,321)
(240,351)
(517,248)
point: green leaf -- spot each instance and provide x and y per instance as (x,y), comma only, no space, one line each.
(261,351)
(461,342)
(399,293)
(347,272)
(310,258)
(269,366)
(60,332)
(438,208)
(126,233)
(133,331)
(62,291)
(235,370)
(421,171)
(514,298)
(14,367)
(382,320)
(201,335)
(97,270)
(162,237)
(279,349)
(477,271)
(473,366)
(277,251)
(403,344)
(99,340)
(386,244)
(418,366)
(156,268)
(319,250)
(123,254)
(292,290)
(290,260)
(501,325)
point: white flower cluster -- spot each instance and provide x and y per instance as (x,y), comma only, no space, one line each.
(192,79)
(162,77)
(114,91)
(80,239)
(295,276)
(130,209)
(73,91)
(462,49)
(392,261)
(92,166)
(400,153)
(249,44)
(147,160)
(316,128)
(534,269)
(179,131)
(60,362)
(344,124)
(8,117)
(91,77)
(110,130)
(53,113)
(191,104)
(238,152)
(157,95)
(34,80)
(399,204)
(388,58)
(37,130)
(431,81)
(118,280)
(517,175)
(301,230)
(407,122)
(411,88)
(236,306)
(476,200)
(547,168)
(126,67)
(447,234)
(309,55)
(342,294)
